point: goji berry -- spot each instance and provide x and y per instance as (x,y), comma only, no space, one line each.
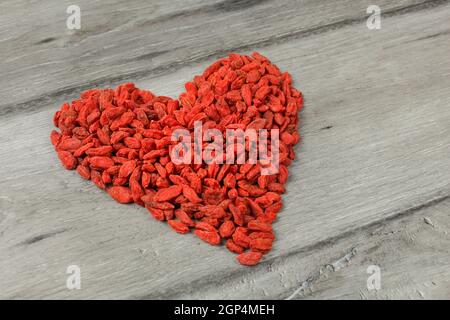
(121,140)
(249,258)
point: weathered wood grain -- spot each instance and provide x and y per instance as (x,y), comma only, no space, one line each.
(412,252)
(374,155)
(120,41)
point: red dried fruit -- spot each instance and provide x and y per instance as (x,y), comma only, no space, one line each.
(259,226)
(101,162)
(226,229)
(213,212)
(233,247)
(120,194)
(55,137)
(249,258)
(100,151)
(241,238)
(158,214)
(81,150)
(121,140)
(262,235)
(67,159)
(184,217)
(158,205)
(69,144)
(178,226)
(127,168)
(204,226)
(190,194)
(261,244)
(96,178)
(84,172)
(211,237)
(169,193)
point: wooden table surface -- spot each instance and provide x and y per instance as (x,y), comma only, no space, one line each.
(371,185)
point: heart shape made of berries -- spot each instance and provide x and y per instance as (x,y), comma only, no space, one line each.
(122,140)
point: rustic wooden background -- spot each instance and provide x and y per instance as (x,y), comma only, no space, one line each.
(371,185)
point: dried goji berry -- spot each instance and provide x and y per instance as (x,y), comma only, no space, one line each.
(226,229)
(233,247)
(168,193)
(211,237)
(67,159)
(121,139)
(178,226)
(120,194)
(249,258)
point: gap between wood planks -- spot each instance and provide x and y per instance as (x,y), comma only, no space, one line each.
(435,200)
(343,261)
(336,263)
(173,66)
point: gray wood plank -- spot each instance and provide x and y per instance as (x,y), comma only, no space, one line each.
(412,252)
(375,146)
(119,41)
